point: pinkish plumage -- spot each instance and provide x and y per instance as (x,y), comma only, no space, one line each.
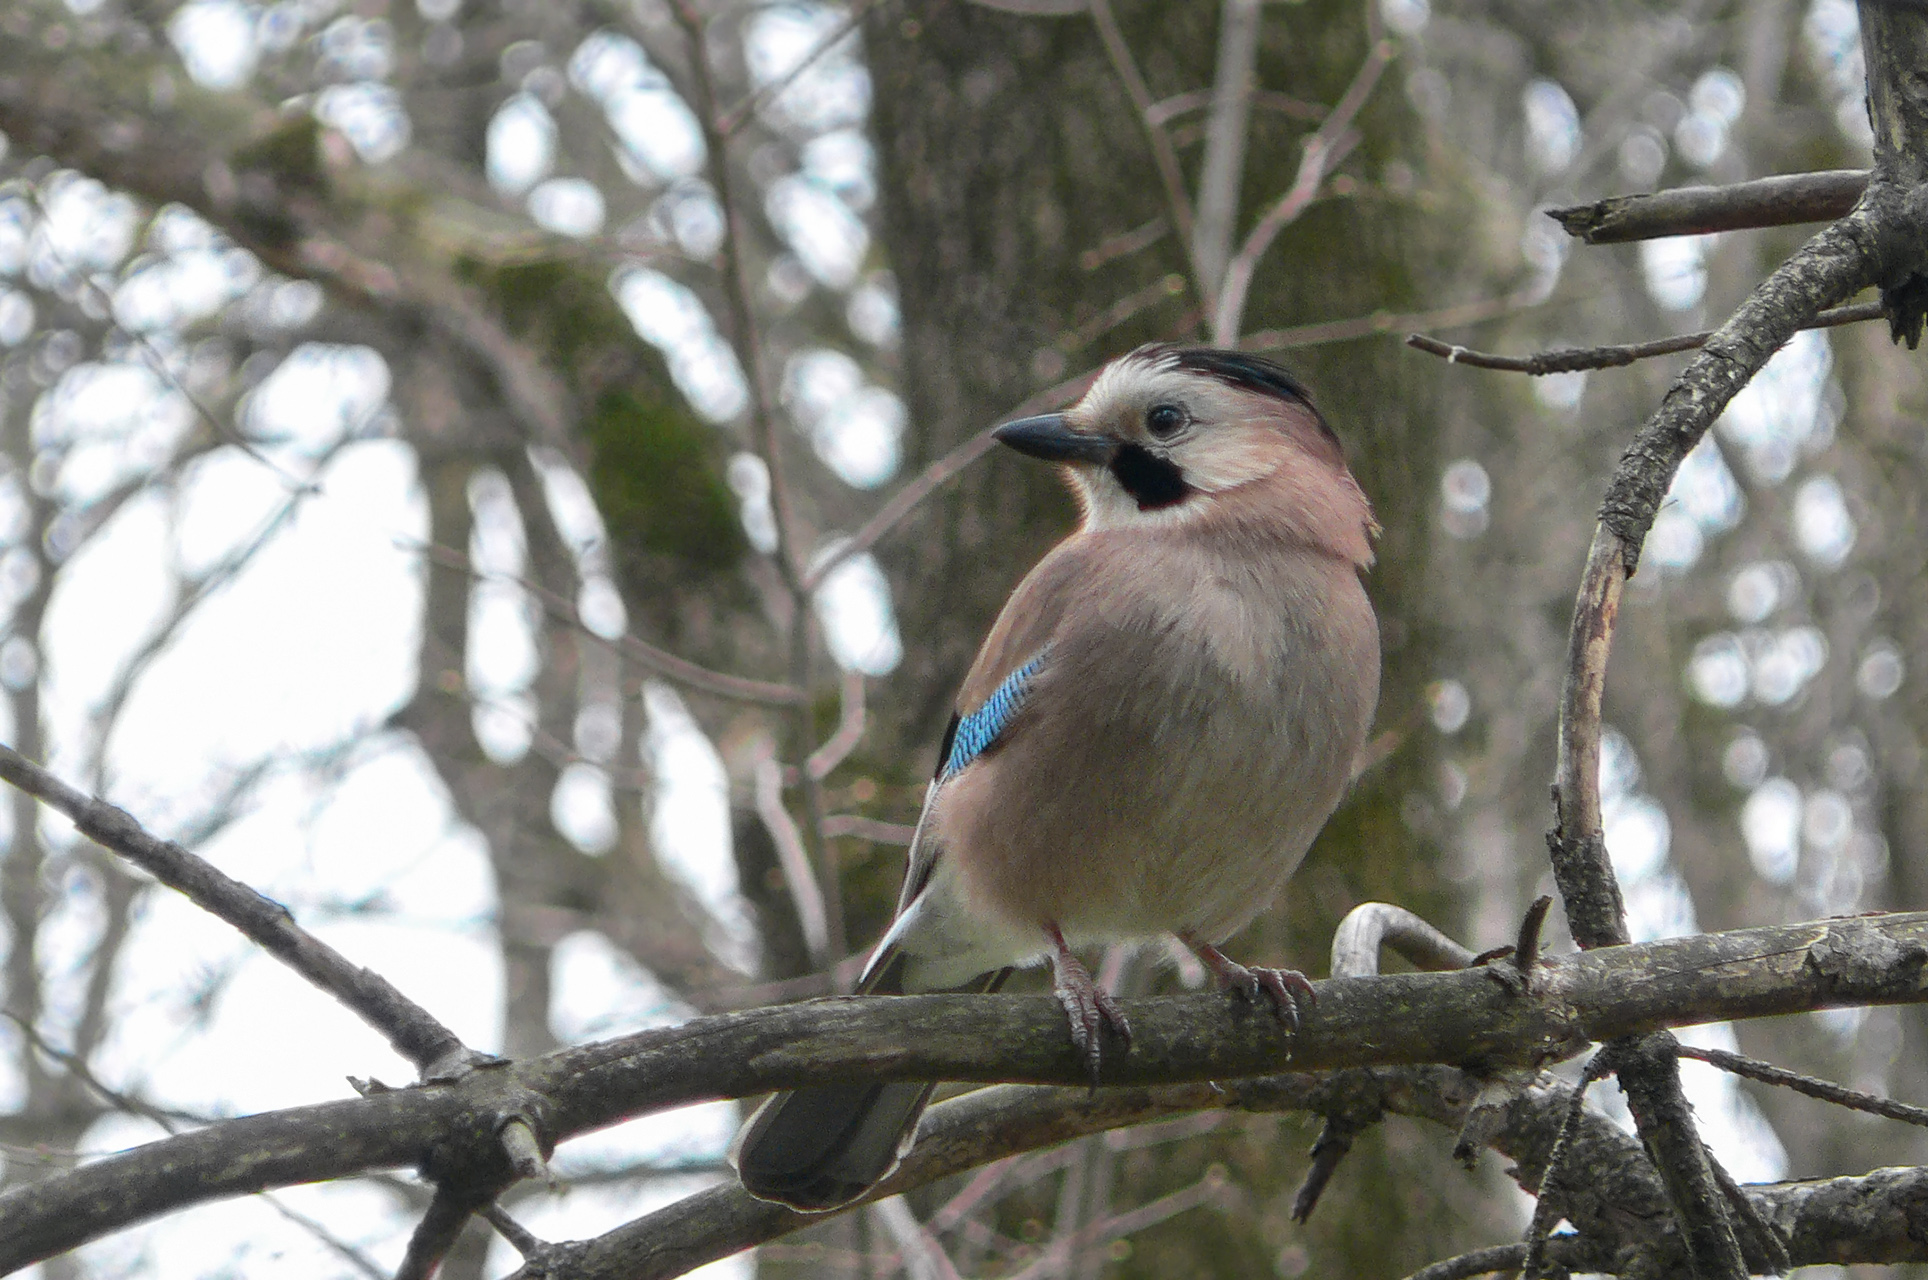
(1210,667)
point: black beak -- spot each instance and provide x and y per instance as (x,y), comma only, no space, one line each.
(1047,436)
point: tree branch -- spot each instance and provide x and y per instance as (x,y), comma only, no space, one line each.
(414,1032)
(650,658)
(1463,1017)
(1226,127)
(1323,151)
(1698,211)
(1178,205)
(1574,359)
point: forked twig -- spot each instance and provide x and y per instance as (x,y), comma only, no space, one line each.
(1576,359)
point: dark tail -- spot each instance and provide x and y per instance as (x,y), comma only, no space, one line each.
(821,1148)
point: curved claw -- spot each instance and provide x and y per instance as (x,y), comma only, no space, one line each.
(1288,990)
(1086,1005)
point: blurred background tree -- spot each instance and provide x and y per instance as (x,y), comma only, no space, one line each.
(505,479)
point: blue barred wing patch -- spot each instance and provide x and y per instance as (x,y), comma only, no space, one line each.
(976,732)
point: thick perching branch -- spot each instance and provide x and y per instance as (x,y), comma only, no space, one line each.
(1464,1017)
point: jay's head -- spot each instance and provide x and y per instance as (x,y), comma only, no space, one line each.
(1175,435)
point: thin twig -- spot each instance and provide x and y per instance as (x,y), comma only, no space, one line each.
(1825,1090)
(105,715)
(172,1122)
(736,117)
(1313,335)
(412,1030)
(1575,359)
(1171,178)
(659,661)
(77,1067)
(1751,1225)
(1132,304)
(924,1258)
(1323,151)
(871,829)
(851,720)
(1545,1206)
(938,474)
(747,342)
(1061,1251)
(1166,110)
(792,856)
(520,1238)
(1124,244)
(157,365)
(353,1256)
(1223,170)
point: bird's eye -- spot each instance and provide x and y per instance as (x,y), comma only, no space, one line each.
(1165,419)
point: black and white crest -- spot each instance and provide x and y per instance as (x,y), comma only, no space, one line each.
(1248,372)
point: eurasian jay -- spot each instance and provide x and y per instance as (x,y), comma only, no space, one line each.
(1164,715)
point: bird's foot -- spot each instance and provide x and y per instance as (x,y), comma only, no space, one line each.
(1086,1005)
(1287,989)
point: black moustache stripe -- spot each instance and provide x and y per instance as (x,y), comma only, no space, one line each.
(1153,481)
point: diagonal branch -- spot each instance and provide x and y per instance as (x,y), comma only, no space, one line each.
(412,1030)
(1323,151)
(936,476)
(645,655)
(1178,205)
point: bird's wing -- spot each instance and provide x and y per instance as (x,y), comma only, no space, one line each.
(1008,665)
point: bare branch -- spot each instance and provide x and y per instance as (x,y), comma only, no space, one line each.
(1825,1090)
(1546,1205)
(1480,1262)
(855,824)
(1166,110)
(1132,304)
(1178,205)
(936,476)
(791,855)
(1124,244)
(412,1030)
(1649,1074)
(645,655)
(1698,211)
(1574,359)
(1323,150)
(1464,1016)
(1831,267)
(1225,130)
(1313,335)
(850,729)
(1372,925)
(736,117)
(435,1234)
(1034,8)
